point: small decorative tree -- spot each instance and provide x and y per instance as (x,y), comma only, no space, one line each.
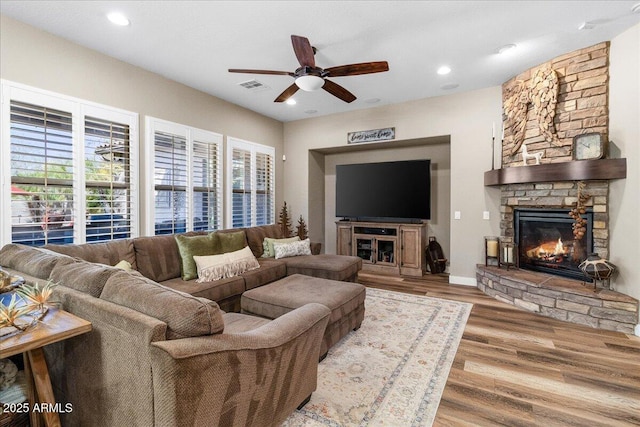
(285,221)
(303,233)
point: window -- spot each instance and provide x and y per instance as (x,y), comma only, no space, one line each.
(252,193)
(186,177)
(108,179)
(67,162)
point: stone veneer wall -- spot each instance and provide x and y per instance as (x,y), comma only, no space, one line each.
(582,104)
(582,107)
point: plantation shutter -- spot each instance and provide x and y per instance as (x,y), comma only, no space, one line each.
(241,210)
(108,180)
(207,203)
(42,172)
(170,183)
(252,193)
(264,189)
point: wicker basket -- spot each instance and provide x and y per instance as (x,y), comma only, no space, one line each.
(15,394)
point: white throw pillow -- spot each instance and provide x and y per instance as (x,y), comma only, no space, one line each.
(216,267)
(284,250)
(124,265)
(267,245)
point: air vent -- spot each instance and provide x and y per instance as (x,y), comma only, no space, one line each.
(253,85)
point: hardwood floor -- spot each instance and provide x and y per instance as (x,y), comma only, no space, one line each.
(516,368)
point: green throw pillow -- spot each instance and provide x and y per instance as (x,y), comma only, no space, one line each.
(231,242)
(267,245)
(188,246)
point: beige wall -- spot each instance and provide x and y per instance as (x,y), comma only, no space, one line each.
(624,132)
(466,117)
(39,59)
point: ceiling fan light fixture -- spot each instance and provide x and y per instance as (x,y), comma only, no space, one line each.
(309,83)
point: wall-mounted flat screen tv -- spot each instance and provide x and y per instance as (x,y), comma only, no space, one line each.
(389,191)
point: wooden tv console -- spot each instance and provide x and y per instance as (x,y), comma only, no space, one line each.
(387,248)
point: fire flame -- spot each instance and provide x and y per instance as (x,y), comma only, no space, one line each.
(559,249)
(548,250)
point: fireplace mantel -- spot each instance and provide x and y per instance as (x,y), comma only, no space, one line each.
(579,170)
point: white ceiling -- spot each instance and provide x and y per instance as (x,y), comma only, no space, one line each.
(195,42)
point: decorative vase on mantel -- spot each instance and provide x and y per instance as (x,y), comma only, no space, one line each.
(597,269)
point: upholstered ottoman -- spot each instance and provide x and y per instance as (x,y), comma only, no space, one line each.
(327,266)
(344,299)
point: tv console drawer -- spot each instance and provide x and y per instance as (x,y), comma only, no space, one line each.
(376,231)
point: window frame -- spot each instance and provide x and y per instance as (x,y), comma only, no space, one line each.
(191,135)
(79,110)
(253,148)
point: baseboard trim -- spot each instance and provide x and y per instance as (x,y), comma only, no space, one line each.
(461,280)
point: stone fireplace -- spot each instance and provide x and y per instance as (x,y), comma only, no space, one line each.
(544,109)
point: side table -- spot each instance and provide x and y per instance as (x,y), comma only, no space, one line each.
(57,325)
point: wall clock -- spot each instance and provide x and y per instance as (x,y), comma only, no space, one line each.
(589,146)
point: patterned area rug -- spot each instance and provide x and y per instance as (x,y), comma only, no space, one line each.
(392,371)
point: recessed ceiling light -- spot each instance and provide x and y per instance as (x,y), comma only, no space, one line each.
(444,70)
(372,100)
(291,101)
(506,48)
(118,18)
(449,86)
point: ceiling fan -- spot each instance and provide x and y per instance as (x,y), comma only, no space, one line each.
(309,77)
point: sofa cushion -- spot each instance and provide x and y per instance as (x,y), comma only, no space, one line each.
(109,253)
(184,314)
(218,290)
(216,267)
(270,270)
(189,246)
(256,235)
(83,276)
(36,262)
(157,257)
(236,323)
(267,245)
(286,250)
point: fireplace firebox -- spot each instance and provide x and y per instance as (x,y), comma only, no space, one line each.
(546,242)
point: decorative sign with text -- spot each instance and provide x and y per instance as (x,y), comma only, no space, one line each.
(371,135)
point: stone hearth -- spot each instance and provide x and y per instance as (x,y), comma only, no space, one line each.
(560,298)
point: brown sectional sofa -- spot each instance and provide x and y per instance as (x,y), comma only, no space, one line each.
(158,259)
(162,352)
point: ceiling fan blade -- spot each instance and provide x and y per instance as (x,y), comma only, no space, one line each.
(288,93)
(338,91)
(239,70)
(303,51)
(355,69)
